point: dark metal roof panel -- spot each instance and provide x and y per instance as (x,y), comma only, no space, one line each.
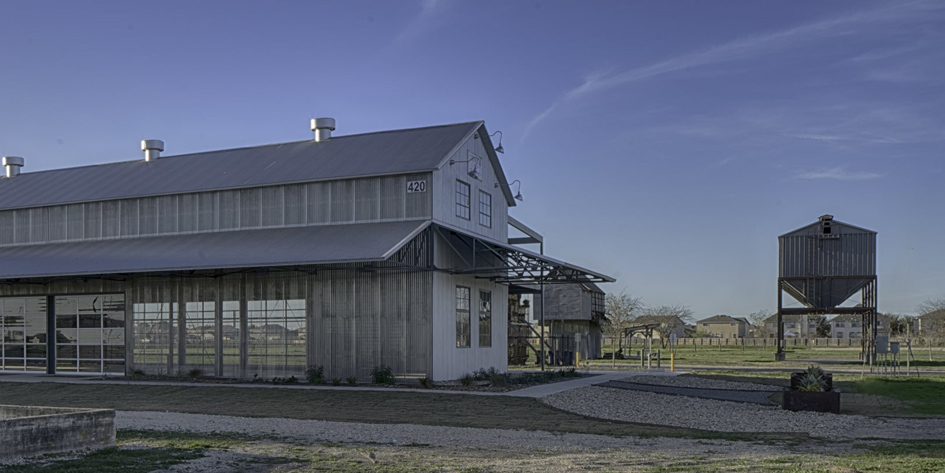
(234,249)
(371,154)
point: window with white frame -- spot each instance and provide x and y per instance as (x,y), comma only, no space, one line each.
(485,319)
(462,199)
(485,209)
(463,334)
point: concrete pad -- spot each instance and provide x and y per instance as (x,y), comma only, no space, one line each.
(543,390)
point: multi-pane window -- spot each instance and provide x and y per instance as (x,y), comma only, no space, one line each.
(462,317)
(154,327)
(276,337)
(485,209)
(485,319)
(230,333)
(201,332)
(462,199)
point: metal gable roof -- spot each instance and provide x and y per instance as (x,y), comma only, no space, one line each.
(233,249)
(371,154)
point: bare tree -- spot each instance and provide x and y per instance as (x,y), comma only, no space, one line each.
(620,310)
(672,317)
(757,319)
(932,317)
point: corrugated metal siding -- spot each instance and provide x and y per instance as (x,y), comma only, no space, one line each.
(444,186)
(342,157)
(808,253)
(358,200)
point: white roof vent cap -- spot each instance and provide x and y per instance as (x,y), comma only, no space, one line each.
(13,165)
(152,149)
(323,128)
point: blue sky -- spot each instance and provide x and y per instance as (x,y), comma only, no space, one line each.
(665,143)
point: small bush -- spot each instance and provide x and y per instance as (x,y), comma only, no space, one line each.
(481,374)
(382,374)
(336,382)
(136,373)
(315,374)
(466,380)
(292,380)
(194,373)
(426,383)
(352,380)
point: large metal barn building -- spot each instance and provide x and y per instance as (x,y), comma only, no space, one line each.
(347,252)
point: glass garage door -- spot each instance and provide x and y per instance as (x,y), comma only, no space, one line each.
(90,334)
(23,334)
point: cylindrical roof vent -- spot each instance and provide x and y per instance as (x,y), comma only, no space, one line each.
(13,165)
(323,128)
(152,149)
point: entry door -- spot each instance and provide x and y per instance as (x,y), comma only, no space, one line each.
(90,334)
(23,334)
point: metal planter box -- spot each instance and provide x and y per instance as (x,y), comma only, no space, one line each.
(811,401)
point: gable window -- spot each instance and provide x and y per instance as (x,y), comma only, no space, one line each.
(485,319)
(462,199)
(485,209)
(462,317)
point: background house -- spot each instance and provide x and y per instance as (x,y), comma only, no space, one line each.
(930,323)
(795,325)
(724,326)
(668,325)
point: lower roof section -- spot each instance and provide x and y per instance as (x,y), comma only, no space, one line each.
(221,250)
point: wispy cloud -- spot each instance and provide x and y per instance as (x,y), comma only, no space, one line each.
(738,50)
(840,174)
(430,10)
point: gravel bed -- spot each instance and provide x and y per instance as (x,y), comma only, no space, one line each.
(315,431)
(700,383)
(724,416)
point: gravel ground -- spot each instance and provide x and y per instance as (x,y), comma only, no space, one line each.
(314,431)
(724,416)
(699,383)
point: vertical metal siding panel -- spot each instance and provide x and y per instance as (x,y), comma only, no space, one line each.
(273,206)
(322,334)
(111,219)
(129,217)
(38,225)
(367,199)
(93,220)
(22,226)
(393,197)
(75,222)
(229,210)
(147,216)
(366,325)
(167,214)
(209,214)
(250,208)
(187,213)
(342,201)
(57,223)
(319,203)
(7,227)
(294,205)
(420,204)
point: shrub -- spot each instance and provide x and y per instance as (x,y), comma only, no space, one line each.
(481,374)
(352,380)
(466,380)
(136,373)
(315,374)
(426,383)
(813,380)
(292,380)
(194,373)
(382,374)
(336,382)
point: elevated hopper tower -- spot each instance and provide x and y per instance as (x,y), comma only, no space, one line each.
(824,264)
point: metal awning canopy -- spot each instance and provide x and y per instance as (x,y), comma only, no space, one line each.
(509,264)
(278,247)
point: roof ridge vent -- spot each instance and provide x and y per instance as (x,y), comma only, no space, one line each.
(13,165)
(152,149)
(323,128)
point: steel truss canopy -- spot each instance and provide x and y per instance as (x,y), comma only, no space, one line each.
(508,264)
